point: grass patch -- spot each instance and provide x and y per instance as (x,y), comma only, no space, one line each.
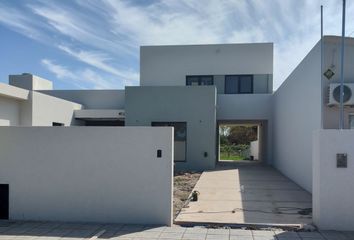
(224,156)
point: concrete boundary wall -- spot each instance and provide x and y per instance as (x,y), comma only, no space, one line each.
(296,114)
(333,194)
(96,174)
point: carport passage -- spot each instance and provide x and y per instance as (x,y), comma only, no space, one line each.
(247,194)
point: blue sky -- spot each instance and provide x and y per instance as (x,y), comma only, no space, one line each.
(82,44)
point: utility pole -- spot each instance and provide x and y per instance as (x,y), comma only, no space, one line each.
(341,117)
(322,57)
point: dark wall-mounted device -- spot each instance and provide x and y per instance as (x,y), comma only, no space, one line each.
(159,153)
(342,160)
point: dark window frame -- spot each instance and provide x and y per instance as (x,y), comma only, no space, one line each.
(239,83)
(200,79)
(155,124)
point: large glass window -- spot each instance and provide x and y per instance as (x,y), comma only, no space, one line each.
(199,80)
(238,84)
(231,84)
(245,84)
(192,80)
(180,138)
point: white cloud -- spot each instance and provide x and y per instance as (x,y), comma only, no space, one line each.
(83,78)
(99,60)
(60,71)
(76,26)
(20,23)
(106,34)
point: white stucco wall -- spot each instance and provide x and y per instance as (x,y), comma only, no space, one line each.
(169,65)
(244,106)
(297,113)
(47,109)
(36,109)
(194,105)
(9,91)
(26,111)
(96,174)
(92,99)
(254,149)
(333,194)
(9,111)
(13,102)
(30,82)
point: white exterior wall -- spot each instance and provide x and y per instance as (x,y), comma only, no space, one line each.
(26,108)
(30,82)
(92,99)
(169,65)
(194,105)
(19,107)
(333,194)
(254,149)
(96,174)
(13,102)
(297,113)
(47,109)
(9,111)
(244,106)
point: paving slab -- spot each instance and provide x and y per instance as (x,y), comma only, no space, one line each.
(247,194)
(139,232)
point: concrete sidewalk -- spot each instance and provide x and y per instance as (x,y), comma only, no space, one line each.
(70,231)
(247,194)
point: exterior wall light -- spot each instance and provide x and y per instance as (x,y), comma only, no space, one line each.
(328,74)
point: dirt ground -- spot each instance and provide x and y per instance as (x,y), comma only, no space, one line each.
(184,183)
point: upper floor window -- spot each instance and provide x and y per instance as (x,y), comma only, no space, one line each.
(199,80)
(238,84)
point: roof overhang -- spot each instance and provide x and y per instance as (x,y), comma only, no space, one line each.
(100,114)
(13,92)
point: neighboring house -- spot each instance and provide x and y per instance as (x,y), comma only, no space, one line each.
(194,89)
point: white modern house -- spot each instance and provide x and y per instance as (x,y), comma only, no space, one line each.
(193,89)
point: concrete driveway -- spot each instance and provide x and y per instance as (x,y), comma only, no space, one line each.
(247,194)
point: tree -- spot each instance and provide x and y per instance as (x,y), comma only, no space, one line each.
(242,134)
(224,130)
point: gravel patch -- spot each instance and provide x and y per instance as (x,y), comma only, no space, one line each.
(184,183)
